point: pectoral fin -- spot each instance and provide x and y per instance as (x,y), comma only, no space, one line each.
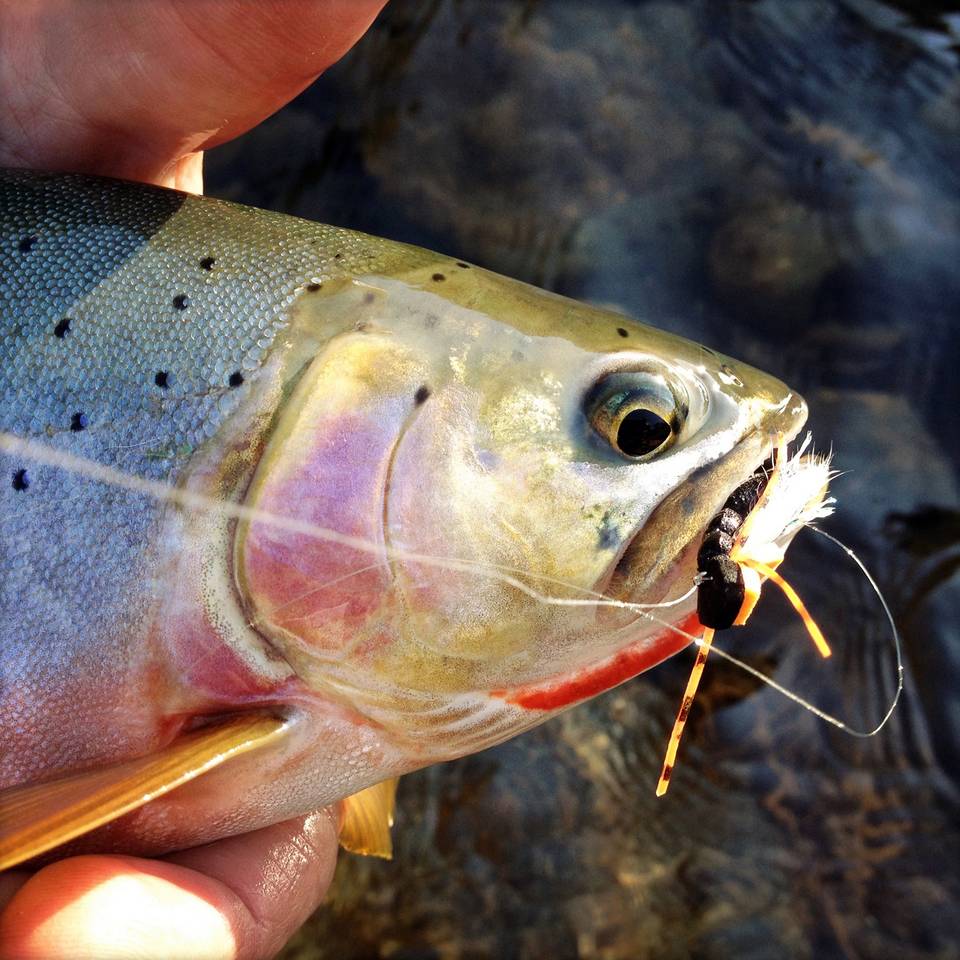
(367,819)
(37,818)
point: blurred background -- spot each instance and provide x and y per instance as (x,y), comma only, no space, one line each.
(779,179)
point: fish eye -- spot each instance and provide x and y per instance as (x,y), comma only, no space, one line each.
(638,414)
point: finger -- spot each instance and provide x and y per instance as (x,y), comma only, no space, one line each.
(130,89)
(295,877)
(237,898)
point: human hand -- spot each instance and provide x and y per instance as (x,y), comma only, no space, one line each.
(139,90)
(242,897)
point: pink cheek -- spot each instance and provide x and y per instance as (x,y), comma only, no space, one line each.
(310,584)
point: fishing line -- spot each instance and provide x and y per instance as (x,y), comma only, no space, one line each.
(894,632)
(42,453)
(157,490)
(796,698)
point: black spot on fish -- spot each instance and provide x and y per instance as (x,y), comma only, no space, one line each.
(21,479)
(207,263)
(235,379)
(162,379)
(622,331)
(421,395)
(78,422)
(26,243)
(181,301)
(608,538)
(517,356)
(369,297)
(313,287)
(62,328)
(462,265)
(437,277)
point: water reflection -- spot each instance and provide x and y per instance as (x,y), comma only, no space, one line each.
(779,179)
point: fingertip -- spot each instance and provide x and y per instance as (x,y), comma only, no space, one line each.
(106,907)
(277,875)
(238,898)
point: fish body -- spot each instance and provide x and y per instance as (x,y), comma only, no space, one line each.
(399,485)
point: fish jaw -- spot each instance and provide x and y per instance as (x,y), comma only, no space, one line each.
(588,681)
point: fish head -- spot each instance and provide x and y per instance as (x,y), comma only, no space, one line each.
(500,493)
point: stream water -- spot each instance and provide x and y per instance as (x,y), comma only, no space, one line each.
(779,179)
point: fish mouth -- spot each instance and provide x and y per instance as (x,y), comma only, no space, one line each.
(659,561)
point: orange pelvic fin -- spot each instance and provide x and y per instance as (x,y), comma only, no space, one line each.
(367,819)
(37,818)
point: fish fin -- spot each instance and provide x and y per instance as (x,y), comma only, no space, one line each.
(367,819)
(39,817)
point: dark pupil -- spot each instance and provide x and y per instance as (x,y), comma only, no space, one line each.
(641,432)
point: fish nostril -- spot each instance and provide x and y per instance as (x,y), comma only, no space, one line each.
(727,375)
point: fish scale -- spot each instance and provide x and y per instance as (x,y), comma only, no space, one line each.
(71,550)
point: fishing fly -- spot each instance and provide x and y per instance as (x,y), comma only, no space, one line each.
(740,550)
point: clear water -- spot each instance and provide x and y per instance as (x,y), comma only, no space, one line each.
(779,179)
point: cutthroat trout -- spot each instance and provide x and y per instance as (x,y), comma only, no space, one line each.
(287,510)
